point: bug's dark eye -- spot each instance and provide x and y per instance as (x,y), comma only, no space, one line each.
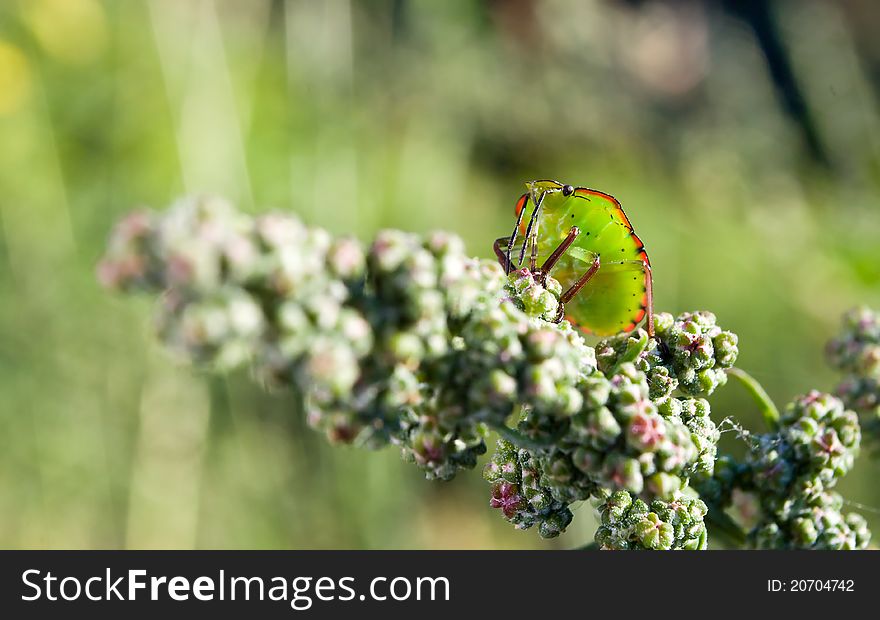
(567,190)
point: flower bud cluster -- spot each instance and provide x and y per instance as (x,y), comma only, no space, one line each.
(623,440)
(519,491)
(627,522)
(408,342)
(856,354)
(792,472)
(628,432)
(688,353)
(663,373)
(812,521)
(856,350)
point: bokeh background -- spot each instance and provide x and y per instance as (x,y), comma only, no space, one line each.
(742,138)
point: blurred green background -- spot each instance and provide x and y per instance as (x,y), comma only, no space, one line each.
(743,142)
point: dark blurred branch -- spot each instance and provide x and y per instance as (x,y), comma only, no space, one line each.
(759,17)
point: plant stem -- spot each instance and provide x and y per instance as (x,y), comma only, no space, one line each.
(759,395)
(721,526)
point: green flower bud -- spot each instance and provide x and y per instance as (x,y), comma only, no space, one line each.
(652,533)
(536,299)
(629,523)
(691,350)
(519,490)
(812,521)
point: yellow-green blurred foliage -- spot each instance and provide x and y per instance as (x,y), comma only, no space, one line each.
(417,115)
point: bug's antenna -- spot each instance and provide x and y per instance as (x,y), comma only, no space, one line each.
(530,238)
(522,203)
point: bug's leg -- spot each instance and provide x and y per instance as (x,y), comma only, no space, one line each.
(649,298)
(528,238)
(502,255)
(521,205)
(560,250)
(532,230)
(533,260)
(649,290)
(579,284)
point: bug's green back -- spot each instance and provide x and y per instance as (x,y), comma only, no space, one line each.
(616,297)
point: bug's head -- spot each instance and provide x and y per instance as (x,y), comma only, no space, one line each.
(539,189)
(546,187)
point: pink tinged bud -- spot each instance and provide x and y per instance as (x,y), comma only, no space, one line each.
(618,477)
(505,497)
(240,251)
(810,398)
(429,452)
(647,430)
(114,273)
(133,225)
(829,443)
(696,344)
(346,258)
(180,269)
(279,230)
(543,337)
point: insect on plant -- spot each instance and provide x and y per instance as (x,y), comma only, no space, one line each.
(359,344)
(585,240)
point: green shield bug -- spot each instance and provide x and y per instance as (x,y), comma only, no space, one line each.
(584,237)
